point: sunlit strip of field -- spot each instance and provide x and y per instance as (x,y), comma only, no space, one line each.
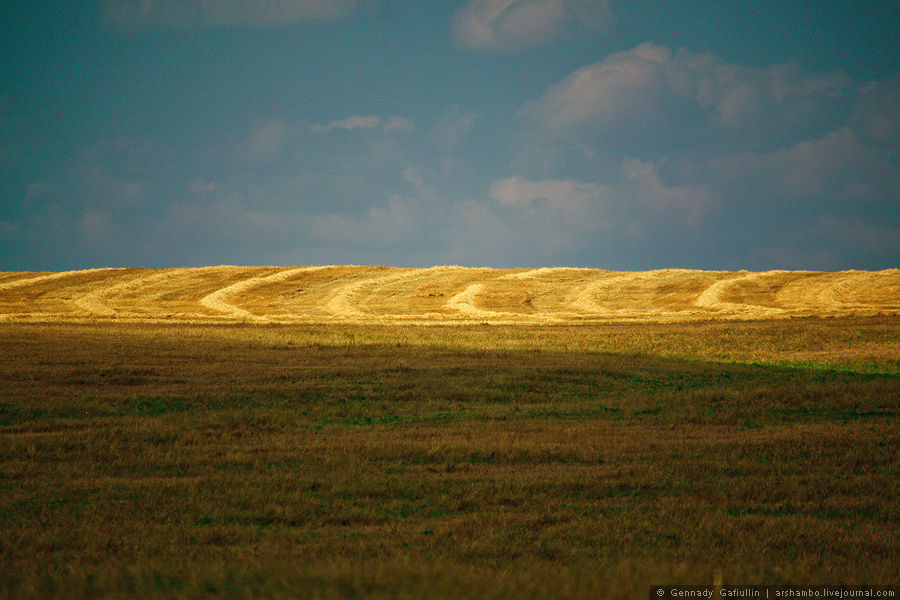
(352,294)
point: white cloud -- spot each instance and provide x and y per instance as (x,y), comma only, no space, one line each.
(624,86)
(276,137)
(453,127)
(397,224)
(639,196)
(572,199)
(688,202)
(265,140)
(140,14)
(398,124)
(513,25)
(650,97)
(388,125)
(686,143)
(390,224)
(835,166)
(523,221)
(350,123)
(423,189)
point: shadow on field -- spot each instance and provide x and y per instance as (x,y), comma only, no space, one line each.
(241,461)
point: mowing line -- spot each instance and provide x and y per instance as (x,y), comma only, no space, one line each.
(219,299)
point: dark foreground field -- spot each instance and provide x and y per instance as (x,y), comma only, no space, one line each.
(438,462)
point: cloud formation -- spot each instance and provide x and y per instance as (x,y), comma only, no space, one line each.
(650,97)
(650,157)
(264,141)
(680,205)
(133,15)
(388,124)
(701,140)
(833,168)
(453,127)
(513,25)
(561,197)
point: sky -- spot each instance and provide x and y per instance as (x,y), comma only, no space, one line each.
(504,133)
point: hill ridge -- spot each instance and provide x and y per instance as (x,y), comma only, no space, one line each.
(441,294)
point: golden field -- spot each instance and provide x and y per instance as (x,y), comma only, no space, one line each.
(350,294)
(369,432)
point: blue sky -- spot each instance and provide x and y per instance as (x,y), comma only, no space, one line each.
(618,135)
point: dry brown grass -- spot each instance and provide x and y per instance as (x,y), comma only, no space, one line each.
(254,460)
(352,294)
(249,432)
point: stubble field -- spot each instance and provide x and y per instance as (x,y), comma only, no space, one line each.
(348,432)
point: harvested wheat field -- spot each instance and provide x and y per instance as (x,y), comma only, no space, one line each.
(446,295)
(271,432)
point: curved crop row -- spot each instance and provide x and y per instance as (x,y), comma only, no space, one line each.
(442,294)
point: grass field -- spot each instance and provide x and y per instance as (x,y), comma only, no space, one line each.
(381,433)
